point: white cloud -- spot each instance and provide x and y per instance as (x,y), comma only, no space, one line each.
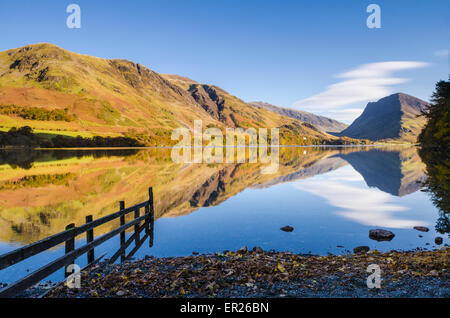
(442,53)
(367,82)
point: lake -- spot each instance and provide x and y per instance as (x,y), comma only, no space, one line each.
(331,196)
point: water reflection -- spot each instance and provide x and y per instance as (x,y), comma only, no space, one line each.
(367,206)
(438,185)
(394,171)
(42,191)
(397,171)
(23,158)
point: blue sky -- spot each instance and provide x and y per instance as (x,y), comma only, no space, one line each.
(289,53)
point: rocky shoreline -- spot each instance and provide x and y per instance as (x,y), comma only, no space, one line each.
(259,273)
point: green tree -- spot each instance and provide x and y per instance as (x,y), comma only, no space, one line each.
(436,133)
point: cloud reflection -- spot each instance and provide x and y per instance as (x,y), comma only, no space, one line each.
(345,190)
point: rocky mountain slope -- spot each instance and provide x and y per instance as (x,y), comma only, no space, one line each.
(323,123)
(392,118)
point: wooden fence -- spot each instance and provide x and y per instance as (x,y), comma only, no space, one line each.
(141,223)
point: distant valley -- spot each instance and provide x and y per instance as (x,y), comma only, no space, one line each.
(323,123)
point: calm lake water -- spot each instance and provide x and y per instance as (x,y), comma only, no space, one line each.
(331,196)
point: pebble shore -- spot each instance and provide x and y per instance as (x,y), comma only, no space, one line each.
(260,273)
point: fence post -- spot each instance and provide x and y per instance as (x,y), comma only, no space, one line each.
(69,246)
(136,227)
(90,238)
(152,214)
(122,234)
(147,214)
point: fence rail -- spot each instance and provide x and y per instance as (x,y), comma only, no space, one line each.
(71,253)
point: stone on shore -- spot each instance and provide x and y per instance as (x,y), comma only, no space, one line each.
(381,235)
(287,228)
(421,228)
(423,273)
(258,250)
(361,249)
(243,250)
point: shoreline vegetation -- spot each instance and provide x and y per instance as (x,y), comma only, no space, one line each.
(25,138)
(436,133)
(259,273)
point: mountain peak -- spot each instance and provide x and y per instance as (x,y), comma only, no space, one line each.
(394,117)
(36,47)
(400,96)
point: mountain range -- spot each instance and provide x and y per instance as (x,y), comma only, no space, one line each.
(116,97)
(57,92)
(395,118)
(323,123)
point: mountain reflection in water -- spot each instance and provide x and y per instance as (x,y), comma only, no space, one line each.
(43,191)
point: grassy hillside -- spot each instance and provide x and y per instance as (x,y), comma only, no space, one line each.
(104,96)
(56,91)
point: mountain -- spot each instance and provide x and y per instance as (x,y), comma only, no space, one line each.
(321,122)
(57,92)
(392,118)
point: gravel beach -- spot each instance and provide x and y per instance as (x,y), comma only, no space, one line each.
(259,273)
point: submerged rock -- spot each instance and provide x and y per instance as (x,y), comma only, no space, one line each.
(438,240)
(381,235)
(361,249)
(287,228)
(421,228)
